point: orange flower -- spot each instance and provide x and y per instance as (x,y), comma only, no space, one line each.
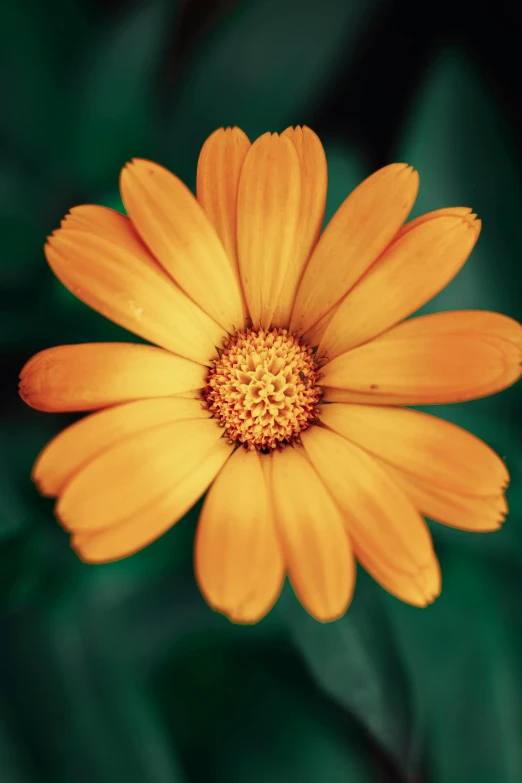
(282,368)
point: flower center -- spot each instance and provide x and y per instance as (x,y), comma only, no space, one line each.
(262,389)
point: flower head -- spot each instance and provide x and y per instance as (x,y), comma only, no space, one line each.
(277,378)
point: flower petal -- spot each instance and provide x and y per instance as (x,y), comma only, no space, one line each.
(316,547)
(219,167)
(95,375)
(238,559)
(144,526)
(444,212)
(416,266)
(268,210)
(479,514)
(430,450)
(360,230)
(176,230)
(78,444)
(390,538)
(437,358)
(314,178)
(314,335)
(98,256)
(134,473)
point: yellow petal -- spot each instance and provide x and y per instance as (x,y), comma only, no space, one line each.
(429,449)
(134,473)
(438,358)
(195,394)
(238,560)
(314,178)
(389,537)
(360,230)
(144,526)
(416,266)
(98,256)
(176,230)
(75,446)
(219,167)
(268,209)
(95,375)
(466,512)
(316,547)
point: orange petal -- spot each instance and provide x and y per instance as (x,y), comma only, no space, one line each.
(479,514)
(146,525)
(420,589)
(438,358)
(98,256)
(444,212)
(390,538)
(75,446)
(416,266)
(360,230)
(317,550)
(314,178)
(238,560)
(314,335)
(429,449)
(176,230)
(219,166)
(268,210)
(95,375)
(134,473)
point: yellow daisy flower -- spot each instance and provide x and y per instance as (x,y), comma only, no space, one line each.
(280,371)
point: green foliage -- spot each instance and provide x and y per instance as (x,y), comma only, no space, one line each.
(263,68)
(115,113)
(461,145)
(463,658)
(356,662)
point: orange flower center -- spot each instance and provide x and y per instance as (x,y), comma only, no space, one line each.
(262,389)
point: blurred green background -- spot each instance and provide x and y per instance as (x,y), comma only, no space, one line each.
(121,672)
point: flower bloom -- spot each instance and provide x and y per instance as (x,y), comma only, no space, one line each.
(279,375)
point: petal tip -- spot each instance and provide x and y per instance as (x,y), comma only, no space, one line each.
(41,484)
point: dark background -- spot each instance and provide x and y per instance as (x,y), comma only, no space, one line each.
(121,672)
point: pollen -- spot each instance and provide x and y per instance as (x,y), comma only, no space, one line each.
(263,388)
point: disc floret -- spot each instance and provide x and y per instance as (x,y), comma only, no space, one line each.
(263,388)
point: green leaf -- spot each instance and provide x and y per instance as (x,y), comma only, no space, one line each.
(116,92)
(355,661)
(13,759)
(290,736)
(464,653)
(459,141)
(264,67)
(261,720)
(94,720)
